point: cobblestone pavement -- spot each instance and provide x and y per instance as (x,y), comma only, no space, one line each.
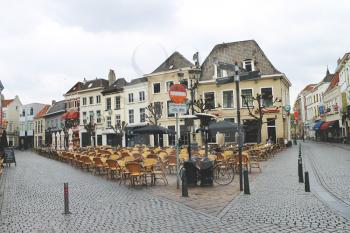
(280,203)
(333,162)
(33,202)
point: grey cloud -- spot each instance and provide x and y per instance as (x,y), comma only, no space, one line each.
(111,15)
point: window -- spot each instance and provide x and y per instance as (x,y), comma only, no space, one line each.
(248,65)
(108,104)
(56,123)
(247,97)
(131,116)
(91,116)
(84,118)
(227,99)
(230,136)
(156,88)
(117,102)
(209,100)
(168,85)
(142,96)
(109,122)
(169,114)
(98,116)
(142,115)
(23,112)
(31,112)
(220,73)
(91,100)
(171,137)
(158,108)
(98,99)
(117,120)
(266,97)
(131,97)
(84,101)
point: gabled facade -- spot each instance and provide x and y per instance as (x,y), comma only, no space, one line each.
(54,123)
(10,119)
(258,75)
(26,124)
(171,71)
(113,103)
(91,109)
(40,127)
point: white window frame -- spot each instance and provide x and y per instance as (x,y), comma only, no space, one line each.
(115,102)
(144,96)
(252,64)
(133,116)
(110,104)
(144,114)
(241,99)
(91,98)
(98,99)
(160,90)
(84,101)
(233,98)
(116,119)
(166,85)
(203,97)
(273,97)
(132,97)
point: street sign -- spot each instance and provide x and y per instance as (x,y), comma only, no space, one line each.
(177,108)
(177,93)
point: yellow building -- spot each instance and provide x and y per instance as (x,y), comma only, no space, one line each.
(39,127)
(258,76)
(171,71)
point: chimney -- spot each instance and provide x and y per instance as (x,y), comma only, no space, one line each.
(338,61)
(111,77)
(53,102)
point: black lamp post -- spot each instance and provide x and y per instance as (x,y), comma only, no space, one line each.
(237,80)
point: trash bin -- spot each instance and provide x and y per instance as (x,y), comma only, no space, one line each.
(191,172)
(206,172)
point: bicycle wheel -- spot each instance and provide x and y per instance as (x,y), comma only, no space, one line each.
(223,174)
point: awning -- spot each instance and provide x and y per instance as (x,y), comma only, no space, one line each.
(64,115)
(73,115)
(325,125)
(318,125)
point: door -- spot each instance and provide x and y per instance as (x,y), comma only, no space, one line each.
(271,130)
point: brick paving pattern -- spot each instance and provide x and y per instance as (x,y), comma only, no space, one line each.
(33,202)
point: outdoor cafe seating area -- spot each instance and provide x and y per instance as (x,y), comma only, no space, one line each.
(143,165)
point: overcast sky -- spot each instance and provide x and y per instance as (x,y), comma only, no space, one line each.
(46,46)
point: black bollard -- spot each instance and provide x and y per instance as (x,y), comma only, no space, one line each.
(246,182)
(184,183)
(307,182)
(300,170)
(299,150)
(66,199)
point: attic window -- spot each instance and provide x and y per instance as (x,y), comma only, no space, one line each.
(171,67)
(90,85)
(248,65)
(74,88)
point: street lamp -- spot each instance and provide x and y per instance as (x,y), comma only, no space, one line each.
(237,80)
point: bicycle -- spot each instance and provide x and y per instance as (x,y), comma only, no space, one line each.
(224,172)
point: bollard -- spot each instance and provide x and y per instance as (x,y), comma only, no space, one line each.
(246,182)
(300,170)
(184,183)
(66,199)
(307,182)
(299,150)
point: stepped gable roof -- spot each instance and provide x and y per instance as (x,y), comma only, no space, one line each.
(328,76)
(42,112)
(117,86)
(57,108)
(5,103)
(237,52)
(175,61)
(334,82)
(75,88)
(98,82)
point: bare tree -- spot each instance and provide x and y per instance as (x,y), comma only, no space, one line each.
(119,129)
(261,110)
(154,113)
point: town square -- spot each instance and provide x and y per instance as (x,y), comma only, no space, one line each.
(112,120)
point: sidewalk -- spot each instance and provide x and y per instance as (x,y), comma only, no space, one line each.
(278,202)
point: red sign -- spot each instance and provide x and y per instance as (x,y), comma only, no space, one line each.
(296,114)
(177,93)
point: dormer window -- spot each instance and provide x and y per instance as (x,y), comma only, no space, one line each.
(219,72)
(248,65)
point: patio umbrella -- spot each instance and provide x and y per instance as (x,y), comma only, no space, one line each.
(62,140)
(58,141)
(153,129)
(53,141)
(222,127)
